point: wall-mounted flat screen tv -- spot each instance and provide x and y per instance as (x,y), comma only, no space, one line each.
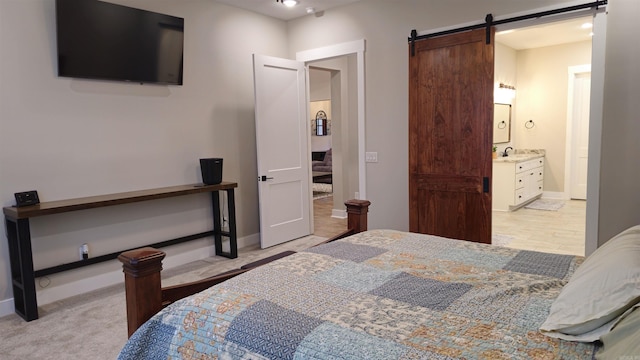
(101,40)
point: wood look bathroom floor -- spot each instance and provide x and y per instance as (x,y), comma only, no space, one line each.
(560,232)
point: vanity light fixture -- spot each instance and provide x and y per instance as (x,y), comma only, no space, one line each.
(509,87)
(509,90)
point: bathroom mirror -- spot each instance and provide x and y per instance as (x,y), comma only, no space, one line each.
(501,123)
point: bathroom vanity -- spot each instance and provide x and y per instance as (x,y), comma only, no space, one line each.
(517,179)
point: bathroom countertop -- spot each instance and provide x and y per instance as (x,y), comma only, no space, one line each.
(521,155)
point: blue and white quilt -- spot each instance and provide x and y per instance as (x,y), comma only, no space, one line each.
(381,294)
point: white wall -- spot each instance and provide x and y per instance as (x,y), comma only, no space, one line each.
(505,71)
(320,90)
(70,138)
(542,96)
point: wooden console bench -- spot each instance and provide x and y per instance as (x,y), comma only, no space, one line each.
(19,234)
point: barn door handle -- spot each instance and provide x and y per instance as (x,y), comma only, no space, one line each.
(264,178)
(485,184)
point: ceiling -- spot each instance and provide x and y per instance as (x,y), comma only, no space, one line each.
(279,11)
(548,34)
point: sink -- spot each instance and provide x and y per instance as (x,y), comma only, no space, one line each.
(517,157)
(521,156)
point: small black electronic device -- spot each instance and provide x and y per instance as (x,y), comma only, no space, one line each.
(27,198)
(211,170)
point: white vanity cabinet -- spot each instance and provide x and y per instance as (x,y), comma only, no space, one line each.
(516,181)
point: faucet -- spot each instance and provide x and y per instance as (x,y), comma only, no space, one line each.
(505,152)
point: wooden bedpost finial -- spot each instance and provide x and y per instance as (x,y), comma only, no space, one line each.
(357,214)
(141,269)
(141,262)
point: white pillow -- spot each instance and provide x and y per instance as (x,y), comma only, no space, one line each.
(606,285)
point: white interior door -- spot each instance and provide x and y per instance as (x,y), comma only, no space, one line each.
(282,145)
(580,138)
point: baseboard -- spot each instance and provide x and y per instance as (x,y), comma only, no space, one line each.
(250,240)
(50,295)
(339,214)
(6,307)
(554,195)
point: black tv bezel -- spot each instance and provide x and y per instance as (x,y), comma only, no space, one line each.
(125,79)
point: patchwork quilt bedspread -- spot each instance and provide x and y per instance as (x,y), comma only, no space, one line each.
(381,294)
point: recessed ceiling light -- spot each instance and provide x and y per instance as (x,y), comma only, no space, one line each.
(310,10)
(587,25)
(290,3)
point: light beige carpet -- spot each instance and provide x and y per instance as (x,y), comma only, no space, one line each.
(94,325)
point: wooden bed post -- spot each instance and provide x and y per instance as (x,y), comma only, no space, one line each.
(357,215)
(142,284)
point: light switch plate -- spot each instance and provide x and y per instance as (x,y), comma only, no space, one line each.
(371,157)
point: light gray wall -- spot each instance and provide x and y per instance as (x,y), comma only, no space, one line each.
(88,137)
(620,165)
(385,26)
(69,138)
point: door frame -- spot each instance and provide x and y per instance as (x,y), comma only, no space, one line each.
(357,48)
(574,71)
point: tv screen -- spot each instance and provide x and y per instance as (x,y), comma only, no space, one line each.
(100,40)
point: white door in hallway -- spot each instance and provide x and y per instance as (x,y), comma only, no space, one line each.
(282,149)
(580,135)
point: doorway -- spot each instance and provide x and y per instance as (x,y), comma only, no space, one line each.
(577,153)
(332,143)
(345,63)
(564,139)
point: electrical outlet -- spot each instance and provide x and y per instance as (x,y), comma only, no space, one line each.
(84,252)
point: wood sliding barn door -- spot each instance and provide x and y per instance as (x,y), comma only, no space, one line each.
(450,136)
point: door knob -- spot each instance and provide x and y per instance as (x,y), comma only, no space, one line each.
(264,178)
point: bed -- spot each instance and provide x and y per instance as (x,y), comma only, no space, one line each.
(379,294)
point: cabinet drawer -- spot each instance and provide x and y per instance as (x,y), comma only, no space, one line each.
(529,164)
(538,173)
(519,197)
(538,188)
(520,180)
